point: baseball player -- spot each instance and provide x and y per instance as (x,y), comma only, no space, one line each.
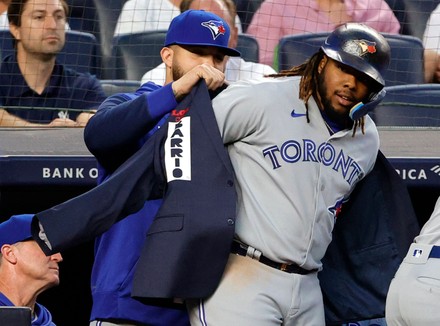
(195,47)
(414,294)
(298,145)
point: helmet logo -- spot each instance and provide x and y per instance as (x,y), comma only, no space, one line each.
(216,27)
(359,47)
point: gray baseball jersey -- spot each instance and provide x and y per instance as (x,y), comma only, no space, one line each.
(291,176)
(413,296)
(430,233)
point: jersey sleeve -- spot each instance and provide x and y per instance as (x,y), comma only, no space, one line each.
(239,110)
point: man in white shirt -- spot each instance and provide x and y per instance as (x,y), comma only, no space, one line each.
(431,42)
(4,23)
(150,15)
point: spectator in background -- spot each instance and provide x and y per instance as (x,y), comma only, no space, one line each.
(246,10)
(25,271)
(431,42)
(236,67)
(276,19)
(150,15)
(146,15)
(31,78)
(399,8)
(4,22)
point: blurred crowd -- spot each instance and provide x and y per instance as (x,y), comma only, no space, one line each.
(70,95)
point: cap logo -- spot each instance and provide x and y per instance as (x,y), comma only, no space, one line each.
(216,27)
(359,47)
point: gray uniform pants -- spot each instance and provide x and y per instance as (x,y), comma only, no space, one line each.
(253,294)
(414,294)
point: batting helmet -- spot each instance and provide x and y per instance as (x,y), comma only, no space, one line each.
(360,47)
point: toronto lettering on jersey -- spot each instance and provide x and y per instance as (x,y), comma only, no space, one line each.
(178,150)
(292,151)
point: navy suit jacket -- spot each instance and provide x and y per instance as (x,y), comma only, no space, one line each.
(187,246)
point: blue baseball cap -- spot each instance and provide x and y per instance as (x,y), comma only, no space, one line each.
(16,229)
(200,28)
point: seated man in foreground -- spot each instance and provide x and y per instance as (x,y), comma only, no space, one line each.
(25,271)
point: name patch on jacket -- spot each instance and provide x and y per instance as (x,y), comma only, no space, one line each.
(178,150)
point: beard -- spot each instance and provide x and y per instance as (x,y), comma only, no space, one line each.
(177,71)
(341,118)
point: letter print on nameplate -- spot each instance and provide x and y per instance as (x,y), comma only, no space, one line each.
(178,150)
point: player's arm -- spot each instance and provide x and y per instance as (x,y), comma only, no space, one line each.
(123,119)
(115,132)
(240,110)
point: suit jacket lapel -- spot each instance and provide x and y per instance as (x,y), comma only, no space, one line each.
(201,106)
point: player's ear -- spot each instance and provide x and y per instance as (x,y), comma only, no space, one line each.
(167,55)
(8,253)
(322,63)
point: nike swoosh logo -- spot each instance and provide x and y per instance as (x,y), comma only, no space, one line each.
(297,115)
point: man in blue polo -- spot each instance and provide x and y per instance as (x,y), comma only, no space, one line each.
(25,271)
(31,78)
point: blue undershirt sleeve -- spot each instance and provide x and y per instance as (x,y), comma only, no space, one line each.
(161,102)
(122,120)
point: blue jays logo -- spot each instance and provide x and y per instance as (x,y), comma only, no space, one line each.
(359,47)
(337,208)
(216,27)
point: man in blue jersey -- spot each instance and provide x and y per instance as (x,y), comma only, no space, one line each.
(25,271)
(196,47)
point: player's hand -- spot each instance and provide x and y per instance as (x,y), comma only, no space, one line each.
(213,77)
